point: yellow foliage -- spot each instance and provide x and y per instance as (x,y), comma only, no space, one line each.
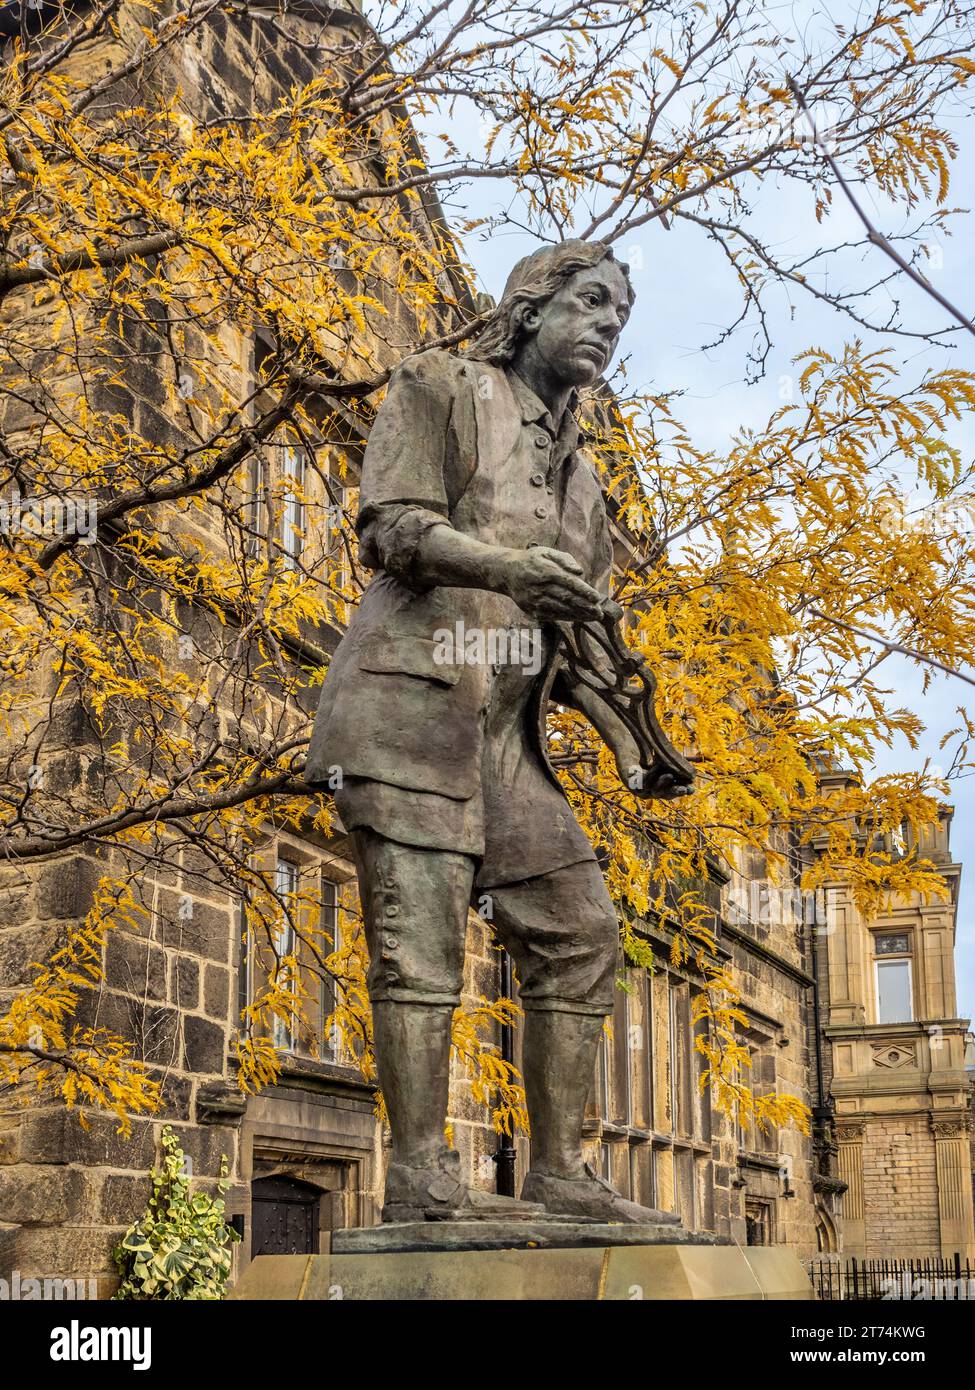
(769,581)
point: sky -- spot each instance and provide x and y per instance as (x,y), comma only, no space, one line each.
(686,294)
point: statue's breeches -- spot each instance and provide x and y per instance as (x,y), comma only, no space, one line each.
(560,928)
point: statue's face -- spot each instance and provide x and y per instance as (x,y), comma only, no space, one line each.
(576,332)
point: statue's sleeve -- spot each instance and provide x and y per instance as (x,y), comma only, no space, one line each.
(404,457)
(403,492)
(391,537)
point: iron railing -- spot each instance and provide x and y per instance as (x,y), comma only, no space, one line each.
(941,1277)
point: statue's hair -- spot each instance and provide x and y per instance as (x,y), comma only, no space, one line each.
(532,283)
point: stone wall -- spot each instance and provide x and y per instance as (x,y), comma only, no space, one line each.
(901,1092)
(900,1187)
(68,1190)
(775,1172)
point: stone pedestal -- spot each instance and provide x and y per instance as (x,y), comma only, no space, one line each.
(545,1233)
(547,1261)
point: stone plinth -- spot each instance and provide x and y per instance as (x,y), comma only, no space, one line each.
(546,1233)
(696,1268)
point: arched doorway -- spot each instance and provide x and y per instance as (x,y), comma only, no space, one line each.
(284,1217)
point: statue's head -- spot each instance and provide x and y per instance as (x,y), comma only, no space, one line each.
(566,304)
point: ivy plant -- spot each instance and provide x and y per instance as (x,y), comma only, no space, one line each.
(180,1248)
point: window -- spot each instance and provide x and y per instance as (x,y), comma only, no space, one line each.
(331,1046)
(704,1203)
(293,874)
(895,986)
(662,1176)
(262,348)
(604,1100)
(243,959)
(699,1063)
(685,1190)
(602,1075)
(759,1222)
(622,1111)
(652,1158)
(294,466)
(681,1083)
(640,1044)
(624,1091)
(894,991)
(760,1078)
(253,511)
(641,1179)
(287,883)
(337,499)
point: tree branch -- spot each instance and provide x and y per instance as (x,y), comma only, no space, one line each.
(873,235)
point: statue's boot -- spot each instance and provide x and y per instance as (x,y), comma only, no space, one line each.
(560,1056)
(435,1191)
(424,1180)
(589,1196)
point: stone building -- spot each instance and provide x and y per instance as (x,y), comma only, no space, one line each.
(306,1155)
(754,1187)
(895,1065)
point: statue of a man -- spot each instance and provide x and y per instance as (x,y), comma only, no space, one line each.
(486,525)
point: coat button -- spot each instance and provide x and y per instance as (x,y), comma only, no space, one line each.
(392,910)
(541,441)
(537,479)
(541,513)
(391,942)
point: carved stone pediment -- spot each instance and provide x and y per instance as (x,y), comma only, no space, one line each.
(894,1055)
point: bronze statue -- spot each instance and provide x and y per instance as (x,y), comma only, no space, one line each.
(490,536)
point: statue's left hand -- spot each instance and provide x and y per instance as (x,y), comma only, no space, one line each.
(661,786)
(649,783)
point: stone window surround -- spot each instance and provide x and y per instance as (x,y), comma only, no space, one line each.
(312,857)
(279,449)
(912,954)
(762,1211)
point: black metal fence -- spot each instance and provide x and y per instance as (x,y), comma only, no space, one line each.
(936,1277)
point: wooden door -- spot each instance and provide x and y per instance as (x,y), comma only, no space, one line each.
(284,1217)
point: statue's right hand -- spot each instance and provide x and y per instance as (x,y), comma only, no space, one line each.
(548,584)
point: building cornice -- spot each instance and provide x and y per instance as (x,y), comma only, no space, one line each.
(920,1028)
(758,948)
